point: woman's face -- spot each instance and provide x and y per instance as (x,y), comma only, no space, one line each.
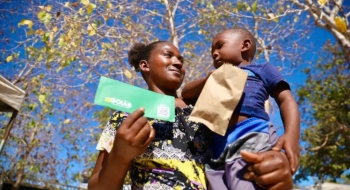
(166,68)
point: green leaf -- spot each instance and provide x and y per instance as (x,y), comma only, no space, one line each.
(255,6)
(246,6)
(46,36)
(9,58)
(90,8)
(239,6)
(60,42)
(42,98)
(44,17)
(29,23)
(81,11)
(296,18)
(85,2)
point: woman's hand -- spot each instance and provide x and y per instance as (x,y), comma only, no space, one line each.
(269,169)
(133,137)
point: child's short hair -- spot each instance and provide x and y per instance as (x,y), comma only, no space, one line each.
(246,34)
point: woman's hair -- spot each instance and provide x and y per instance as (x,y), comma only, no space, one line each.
(141,52)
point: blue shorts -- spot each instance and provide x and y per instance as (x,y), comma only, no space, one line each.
(226,167)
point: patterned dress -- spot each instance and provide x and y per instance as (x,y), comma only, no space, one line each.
(175,158)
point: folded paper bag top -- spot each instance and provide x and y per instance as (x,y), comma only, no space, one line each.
(219,98)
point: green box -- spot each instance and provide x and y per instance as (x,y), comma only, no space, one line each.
(127,98)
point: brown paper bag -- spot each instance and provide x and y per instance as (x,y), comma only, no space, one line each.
(219,98)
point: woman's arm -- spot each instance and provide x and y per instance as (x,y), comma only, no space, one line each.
(132,139)
(107,171)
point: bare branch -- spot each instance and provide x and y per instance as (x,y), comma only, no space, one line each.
(264,18)
(321,146)
(171,24)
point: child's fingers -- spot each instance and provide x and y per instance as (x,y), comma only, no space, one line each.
(292,160)
(296,164)
(279,144)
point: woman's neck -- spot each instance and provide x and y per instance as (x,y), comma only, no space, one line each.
(163,91)
(178,101)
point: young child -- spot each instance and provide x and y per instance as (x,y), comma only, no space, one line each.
(249,127)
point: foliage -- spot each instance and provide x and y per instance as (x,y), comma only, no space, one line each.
(325,101)
(333,16)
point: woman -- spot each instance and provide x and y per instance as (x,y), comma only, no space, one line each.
(167,155)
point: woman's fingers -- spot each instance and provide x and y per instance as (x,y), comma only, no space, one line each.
(143,134)
(132,118)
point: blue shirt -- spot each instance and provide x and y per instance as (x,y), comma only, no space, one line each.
(261,82)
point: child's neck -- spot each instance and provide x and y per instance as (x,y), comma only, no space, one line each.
(242,63)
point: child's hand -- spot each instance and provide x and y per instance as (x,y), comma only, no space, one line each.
(291,145)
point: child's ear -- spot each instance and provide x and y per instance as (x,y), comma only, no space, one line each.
(247,44)
(144,66)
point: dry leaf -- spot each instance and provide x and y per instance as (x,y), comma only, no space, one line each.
(322,2)
(340,23)
(46,8)
(85,2)
(67,121)
(127,73)
(91,29)
(9,58)
(54,29)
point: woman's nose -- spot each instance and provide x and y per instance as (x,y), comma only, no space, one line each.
(177,63)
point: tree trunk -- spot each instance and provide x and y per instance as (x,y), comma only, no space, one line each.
(20,174)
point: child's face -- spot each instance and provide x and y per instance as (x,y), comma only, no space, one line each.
(226,47)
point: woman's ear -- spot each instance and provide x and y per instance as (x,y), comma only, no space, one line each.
(144,66)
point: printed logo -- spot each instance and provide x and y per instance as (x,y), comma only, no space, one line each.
(118,102)
(163,111)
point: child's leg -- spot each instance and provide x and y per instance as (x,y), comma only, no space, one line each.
(253,135)
(216,179)
(234,176)
(236,167)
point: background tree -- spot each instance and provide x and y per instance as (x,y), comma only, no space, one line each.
(325,101)
(333,16)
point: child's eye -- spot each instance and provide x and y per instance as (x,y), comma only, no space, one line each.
(167,54)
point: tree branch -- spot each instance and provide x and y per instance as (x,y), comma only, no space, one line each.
(171,24)
(321,146)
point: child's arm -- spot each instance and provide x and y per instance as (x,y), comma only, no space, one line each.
(291,119)
(193,89)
